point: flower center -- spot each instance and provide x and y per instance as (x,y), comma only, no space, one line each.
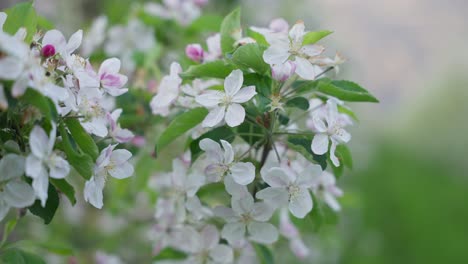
(294,191)
(48,51)
(246,218)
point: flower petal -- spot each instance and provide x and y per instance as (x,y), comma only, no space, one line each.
(235,115)
(308,176)
(233,82)
(213,150)
(276,177)
(59,168)
(276,54)
(210,98)
(11,166)
(18,194)
(333,157)
(93,191)
(75,41)
(320,144)
(234,189)
(214,117)
(233,232)
(226,213)
(305,69)
(276,196)
(262,212)
(244,95)
(122,171)
(222,254)
(38,140)
(210,237)
(264,233)
(301,203)
(228,152)
(243,205)
(243,173)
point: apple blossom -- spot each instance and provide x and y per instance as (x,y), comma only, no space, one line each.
(227,105)
(325,187)
(168,91)
(110,79)
(194,52)
(183,11)
(245,215)
(43,162)
(95,36)
(54,42)
(120,135)
(288,230)
(110,162)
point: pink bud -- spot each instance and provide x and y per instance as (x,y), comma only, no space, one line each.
(279,25)
(200,2)
(194,52)
(138,141)
(283,71)
(48,51)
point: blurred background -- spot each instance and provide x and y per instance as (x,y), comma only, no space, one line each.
(406,201)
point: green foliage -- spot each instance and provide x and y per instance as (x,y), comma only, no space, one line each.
(181,124)
(46,213)
(83,163)
(250,56)
(257,36)
(41,102)
(18,256)
(63,186)
(298,102)
(264,254)
(314,36)
(346,91)
(7,229)
(321,214)
(21,15)
(230,30)
(212,69)
(82,138)
(207,22)
(170,254)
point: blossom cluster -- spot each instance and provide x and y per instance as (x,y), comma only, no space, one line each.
(272,149)
(57,106)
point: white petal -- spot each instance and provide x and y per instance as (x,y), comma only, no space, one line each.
(122,171)
(210,237)
(243,205)
(60,168)
(222,254)
(318,123)
(214,117)
(3,99)
(55,38)
(111,65)
(264,233)
(11,166)
(4,207)
(333,157)
(275,196)
(262,212)
(233,82)
(40,185)
(276,54)
(228,152)
(213,150)
(301,203)
(312,50)
(120,156)
(226,213)
(10,68)
(34,166)
(305,69)
(38,142)
(331,201)
(342,135)
(235,115)
(297,32)
(244,95)
(307,177)
(320,144)
(75,41)
(243,173)
(277,177)
(93,191)
(233,232)
(210,98)
(18,194)
(234,189)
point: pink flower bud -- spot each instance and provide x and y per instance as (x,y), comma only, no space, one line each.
(279,25)
(194,52)
(283,71)
(200,2)
(48,51)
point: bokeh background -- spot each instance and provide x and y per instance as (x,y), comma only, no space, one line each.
(406,200)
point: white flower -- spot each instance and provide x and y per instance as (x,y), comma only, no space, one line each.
(110,162)
(54,42)
(277,25)
(203,247)
(13,191)
(214,48)
(120,135)
(223,164)
(191,91)
(183,11)
(104,258)
(329,128)
(95,36)
(284,48)
(111,80)
(325,187)
(288,230)
(168,90)
(3,99)
(246,215)
(227,105)
(44,162)
(289,188)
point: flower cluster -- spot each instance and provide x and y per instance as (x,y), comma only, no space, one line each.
(273,139)
(54,102)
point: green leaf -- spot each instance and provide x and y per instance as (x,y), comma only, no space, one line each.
(170,253)
(9,227)
(298,102)
(346,91)
(216,134)
(250,56)
(207,22)
(314,36)
(264,254)
(321,214)
(82,138)
(347,111)
(249,128)
(230,30)
(18,256)
(213,69)
(83,163)
(44,23)
(44,104)
(46,213)
(63,186)
(257,36)
(302,145)
(21,15)
(180,125)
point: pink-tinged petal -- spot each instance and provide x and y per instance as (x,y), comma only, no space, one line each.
(233,232)
(244,95)
(264,233)
(283,71)
(279,25)
(277,177)
(299,249)
(243,173)
(275,196)
(228,152)
(276,54)
(75,41)
(123,135)
(38,141)
(320,144)
(305,69)
(333,157)
(210,237)
(235,115)
(214,117)
(109,66)
(300,203)
(55,38)
(194,52)
(210,98)
(113,82)
(233,82)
